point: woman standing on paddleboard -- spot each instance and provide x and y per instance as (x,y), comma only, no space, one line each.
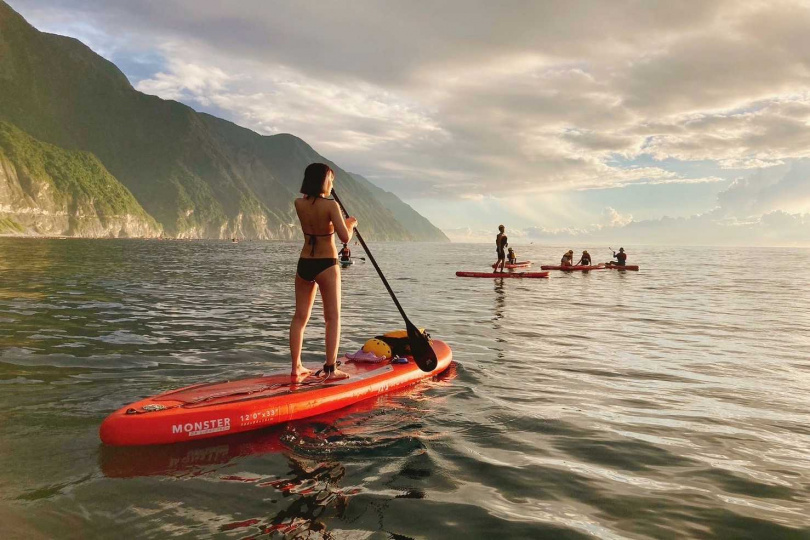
(318,268)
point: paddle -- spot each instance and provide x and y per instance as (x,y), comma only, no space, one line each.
(423,354)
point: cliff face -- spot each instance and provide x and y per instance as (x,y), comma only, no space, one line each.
(45,190)
(198,176)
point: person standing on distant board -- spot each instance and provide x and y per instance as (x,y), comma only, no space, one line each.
(501,242)
(318,268)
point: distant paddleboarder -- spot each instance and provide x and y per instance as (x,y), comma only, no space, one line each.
(345,253)
(318,268)
(511,256)
(501,241)
(621,257)
(567,258)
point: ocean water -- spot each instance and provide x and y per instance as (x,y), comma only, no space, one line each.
(673,402)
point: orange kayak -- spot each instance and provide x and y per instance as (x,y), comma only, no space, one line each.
(503,274)
(210,410)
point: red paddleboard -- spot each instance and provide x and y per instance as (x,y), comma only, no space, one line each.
(572,268)
(521,264)
(625,267)
(503,274)
(212,410)
(201,457)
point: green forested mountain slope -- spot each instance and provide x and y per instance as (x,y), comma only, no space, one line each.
(48,190)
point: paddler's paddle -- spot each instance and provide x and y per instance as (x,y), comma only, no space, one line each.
(423,354)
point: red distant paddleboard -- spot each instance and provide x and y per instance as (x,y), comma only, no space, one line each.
(211,410)
(520,264)
(573,268)
(620,267)
(503,274)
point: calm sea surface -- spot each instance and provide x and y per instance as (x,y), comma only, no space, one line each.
(669,403)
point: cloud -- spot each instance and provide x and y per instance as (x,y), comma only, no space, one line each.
(612,218)
(780,188)
(499,104)
(187,81)
(762,135)
(772,229)
(747,213)
(283,99)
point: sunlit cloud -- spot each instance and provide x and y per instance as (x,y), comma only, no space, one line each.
(552,98)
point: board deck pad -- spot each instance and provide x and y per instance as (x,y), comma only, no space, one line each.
(267,386)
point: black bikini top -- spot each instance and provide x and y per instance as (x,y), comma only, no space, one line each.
(313,238)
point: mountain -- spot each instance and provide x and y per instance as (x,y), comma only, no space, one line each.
(285,157)
(412,220)
(59,192)
(197,175)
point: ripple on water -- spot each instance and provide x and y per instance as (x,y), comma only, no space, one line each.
(663,403)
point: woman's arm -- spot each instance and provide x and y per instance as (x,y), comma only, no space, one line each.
(343,228)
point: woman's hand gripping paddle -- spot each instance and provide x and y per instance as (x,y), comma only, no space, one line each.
(423,354)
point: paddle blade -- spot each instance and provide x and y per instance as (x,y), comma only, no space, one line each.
(423,353)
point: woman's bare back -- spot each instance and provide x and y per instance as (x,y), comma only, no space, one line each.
(315,215)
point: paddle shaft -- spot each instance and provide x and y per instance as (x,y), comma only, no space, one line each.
(374,262)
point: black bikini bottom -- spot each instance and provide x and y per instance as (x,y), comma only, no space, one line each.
(308,269)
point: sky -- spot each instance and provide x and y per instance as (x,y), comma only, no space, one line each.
(626,121)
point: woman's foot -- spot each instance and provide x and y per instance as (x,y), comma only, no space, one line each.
(337,375)
(332,373)
(299,372)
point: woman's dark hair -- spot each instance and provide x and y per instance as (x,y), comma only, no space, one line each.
(314,176)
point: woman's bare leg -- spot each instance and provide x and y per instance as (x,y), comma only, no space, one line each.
(304,298)
(329,283)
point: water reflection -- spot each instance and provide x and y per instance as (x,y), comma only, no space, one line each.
(500,302)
